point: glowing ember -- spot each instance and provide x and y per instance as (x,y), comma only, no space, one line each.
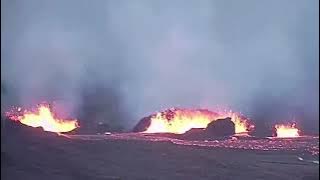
(286,131)
(305,145)
(43,118)
(179,121)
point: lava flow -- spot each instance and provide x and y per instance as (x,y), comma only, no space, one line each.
(44,118)
(287,131)
(179,121)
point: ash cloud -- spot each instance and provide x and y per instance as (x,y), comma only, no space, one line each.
(150,55)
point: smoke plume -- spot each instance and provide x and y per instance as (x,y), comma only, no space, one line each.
(137,57)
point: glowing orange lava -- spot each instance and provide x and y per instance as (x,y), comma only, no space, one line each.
(179,121)
(287,131)
(44,118)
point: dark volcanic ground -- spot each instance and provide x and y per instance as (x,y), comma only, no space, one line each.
(29,153)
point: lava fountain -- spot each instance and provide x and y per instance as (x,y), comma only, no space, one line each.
(43,117)
(287,131)
(179,121)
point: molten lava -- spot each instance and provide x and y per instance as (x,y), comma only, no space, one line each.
(287,131)
(179,121)
(44,118)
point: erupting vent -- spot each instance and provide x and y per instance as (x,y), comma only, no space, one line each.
(287,131)
(42,117)
(179,121)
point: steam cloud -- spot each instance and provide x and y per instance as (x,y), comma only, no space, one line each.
(137,57)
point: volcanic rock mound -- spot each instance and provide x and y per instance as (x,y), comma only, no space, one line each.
(195,134)
(143,124)
(221,127)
